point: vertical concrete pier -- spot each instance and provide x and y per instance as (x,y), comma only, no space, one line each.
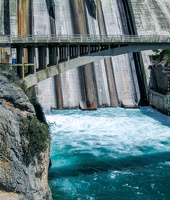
(42,57)
(52,55)
(20,61)
(31,59)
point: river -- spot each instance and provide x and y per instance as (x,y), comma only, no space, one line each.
(110,154)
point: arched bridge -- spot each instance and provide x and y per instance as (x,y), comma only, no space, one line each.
(40,57)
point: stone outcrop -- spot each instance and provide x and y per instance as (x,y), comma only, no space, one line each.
(159,79)
(20,178)
(159,93)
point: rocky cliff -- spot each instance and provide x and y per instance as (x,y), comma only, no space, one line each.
(24,161)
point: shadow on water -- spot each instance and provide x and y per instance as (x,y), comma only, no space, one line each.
(154,114)
(90,164)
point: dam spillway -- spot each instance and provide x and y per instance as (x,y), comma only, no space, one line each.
(109,152)
(117,81)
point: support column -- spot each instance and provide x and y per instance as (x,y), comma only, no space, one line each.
(68,52)
(42,57)
(71,51)
(20,61)
(57,54)
(88,50)
(81,49)
(60,53)
(78,51)
(31,59)
(65,52)
(52,55)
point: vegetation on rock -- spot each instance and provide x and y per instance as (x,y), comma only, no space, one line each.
(37,134)
(161,56)
(35,130)
(24,141)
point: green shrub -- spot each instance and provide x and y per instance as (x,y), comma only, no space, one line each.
(35,130)
(162,56)
(30,92)
(4,67)
(7,71)
(37,134)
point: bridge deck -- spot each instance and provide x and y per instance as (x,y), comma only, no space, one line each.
(87,39)
(42,56)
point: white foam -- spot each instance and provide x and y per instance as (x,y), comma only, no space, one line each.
(119,131)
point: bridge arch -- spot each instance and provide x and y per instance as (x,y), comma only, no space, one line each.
(49,55)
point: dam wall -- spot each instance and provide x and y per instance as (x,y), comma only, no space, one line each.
(152,18)
(105,83)
(119,81)
(160,102)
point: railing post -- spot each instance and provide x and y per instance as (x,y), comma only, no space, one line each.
(81,38)
(10,39)
(102,38)
(159,38)
(57,54)
(22,71)
(140,38)
(35,65)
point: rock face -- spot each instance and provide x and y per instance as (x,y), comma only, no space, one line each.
(19,179)
(159,79)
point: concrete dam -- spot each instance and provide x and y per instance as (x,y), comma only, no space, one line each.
(119,81)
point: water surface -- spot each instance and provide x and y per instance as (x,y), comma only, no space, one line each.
(110,154)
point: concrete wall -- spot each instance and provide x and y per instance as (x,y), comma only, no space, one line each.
(2,17)
(151,17)
(160,102)
(110,82)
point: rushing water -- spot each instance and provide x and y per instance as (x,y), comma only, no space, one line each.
(110,154)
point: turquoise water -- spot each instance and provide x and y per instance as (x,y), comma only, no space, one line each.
(110,154)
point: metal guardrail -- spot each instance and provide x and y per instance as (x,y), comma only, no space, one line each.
(10,39)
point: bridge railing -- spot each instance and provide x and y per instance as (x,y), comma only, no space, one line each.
(82,38)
